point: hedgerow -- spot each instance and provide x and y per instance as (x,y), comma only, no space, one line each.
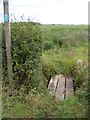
(26,47)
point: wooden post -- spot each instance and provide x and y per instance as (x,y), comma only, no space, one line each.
(8,43)
(0,70)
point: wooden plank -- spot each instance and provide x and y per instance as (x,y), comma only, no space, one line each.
(52,85)
(69,87)
(60,87)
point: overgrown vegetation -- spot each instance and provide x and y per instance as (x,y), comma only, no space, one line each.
(26,52)
(39,52)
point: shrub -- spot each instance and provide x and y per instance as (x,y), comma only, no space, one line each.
(26,51)
(60,43)
(48,45)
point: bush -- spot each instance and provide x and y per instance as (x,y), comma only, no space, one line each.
(26,51)
(61,42)
(48,45)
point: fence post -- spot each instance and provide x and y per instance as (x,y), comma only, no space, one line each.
(0,70)
(8,44)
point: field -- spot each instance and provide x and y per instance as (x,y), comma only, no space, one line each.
(38,53)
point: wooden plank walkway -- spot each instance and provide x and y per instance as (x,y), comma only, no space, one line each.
(69,87)
(52,85)
(61,87)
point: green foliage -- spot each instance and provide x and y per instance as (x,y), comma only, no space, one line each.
(65,36)
(61,42)
(64,61)
(4,59)
(63,46)
(32,105)
(48,45)
(72,108)
(42,105)
(80,75)
(26,51)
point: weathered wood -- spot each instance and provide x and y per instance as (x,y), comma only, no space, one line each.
(60,87)
(8,43)
(52,85)
(69,87)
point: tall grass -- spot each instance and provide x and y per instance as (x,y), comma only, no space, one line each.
(63,47)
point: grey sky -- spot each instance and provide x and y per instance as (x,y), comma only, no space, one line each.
(52,11)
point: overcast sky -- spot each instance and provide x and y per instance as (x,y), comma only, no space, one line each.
(51,11)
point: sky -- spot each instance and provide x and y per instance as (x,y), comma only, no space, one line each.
(50,11)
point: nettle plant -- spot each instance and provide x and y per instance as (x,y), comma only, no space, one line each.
(26,51)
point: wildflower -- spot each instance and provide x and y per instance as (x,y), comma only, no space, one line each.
(79,62)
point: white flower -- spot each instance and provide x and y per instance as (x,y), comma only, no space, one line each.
(79,62)
(85,66)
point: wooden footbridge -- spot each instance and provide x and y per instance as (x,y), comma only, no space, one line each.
(61,87)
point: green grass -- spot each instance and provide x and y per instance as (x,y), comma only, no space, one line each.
(66,35)
(64,61)
(72,108)
(36,106)
(63,46)
(43,106)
